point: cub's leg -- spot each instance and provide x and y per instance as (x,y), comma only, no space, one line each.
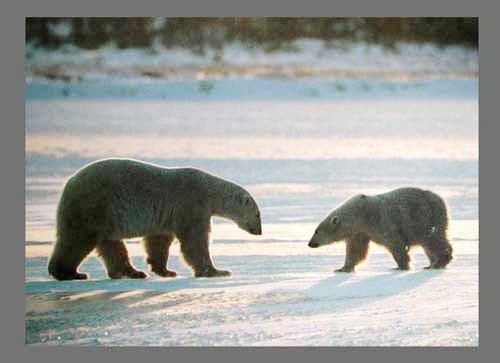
(356,251)
(400,254)
(430,256)
(157,254)
(194,247)
(68,254)
(117,260)
(440,252)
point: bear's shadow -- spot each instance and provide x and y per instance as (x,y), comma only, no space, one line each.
(354,290)
(150,284)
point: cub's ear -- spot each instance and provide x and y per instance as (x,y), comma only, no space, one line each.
(245,200)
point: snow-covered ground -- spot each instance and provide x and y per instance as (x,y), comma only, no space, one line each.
(301,146)
(280,293)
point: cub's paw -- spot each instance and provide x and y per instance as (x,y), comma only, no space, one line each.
(345,269)
(222,273)
(212,273)
(435,267)
(401,268)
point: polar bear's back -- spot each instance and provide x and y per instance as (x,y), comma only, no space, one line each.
(126,197)
(129,176)
(417,213)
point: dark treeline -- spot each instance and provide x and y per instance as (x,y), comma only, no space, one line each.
(270,33)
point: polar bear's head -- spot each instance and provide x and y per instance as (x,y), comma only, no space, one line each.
(240,207)
(352,217)
(248,214)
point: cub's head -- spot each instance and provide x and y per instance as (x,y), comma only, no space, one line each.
(354,216)
(329,230)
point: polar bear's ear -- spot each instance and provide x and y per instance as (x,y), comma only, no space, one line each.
(334,219)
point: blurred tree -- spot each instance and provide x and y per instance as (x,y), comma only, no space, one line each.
(184,32)
(198,34)
(132,32)
(91,32)
(37,29)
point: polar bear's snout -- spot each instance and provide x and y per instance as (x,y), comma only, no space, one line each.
(315,239)
(256,230)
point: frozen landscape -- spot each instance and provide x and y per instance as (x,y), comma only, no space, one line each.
(301,146)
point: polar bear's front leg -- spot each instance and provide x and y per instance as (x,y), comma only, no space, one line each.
(194,248)
(356,251)
(439,251)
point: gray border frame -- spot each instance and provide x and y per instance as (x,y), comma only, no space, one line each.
(12,178)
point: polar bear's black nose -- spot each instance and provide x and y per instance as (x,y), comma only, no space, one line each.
(313,245)
(256,230)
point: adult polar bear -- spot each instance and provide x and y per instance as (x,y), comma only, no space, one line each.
(113,199)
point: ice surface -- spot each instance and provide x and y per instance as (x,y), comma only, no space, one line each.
(279,294)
